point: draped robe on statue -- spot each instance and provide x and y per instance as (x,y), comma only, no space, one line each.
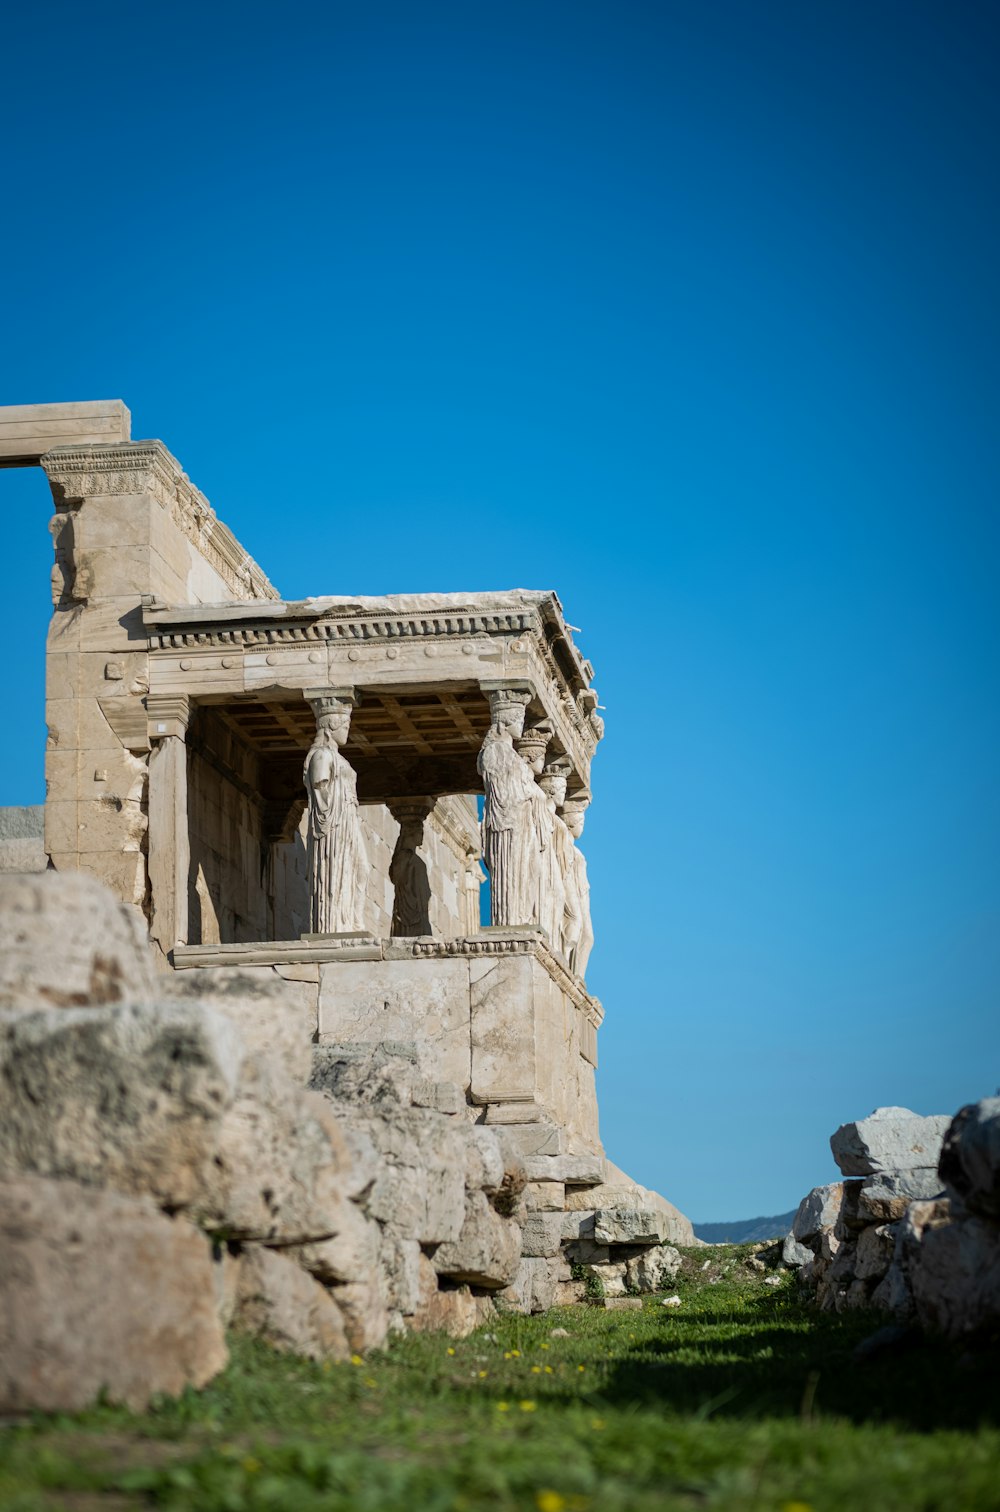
(510,836)
(338,862)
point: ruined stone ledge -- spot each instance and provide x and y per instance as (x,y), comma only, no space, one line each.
(362,947)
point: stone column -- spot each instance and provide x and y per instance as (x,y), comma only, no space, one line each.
(169,848)
(338,856)
(509,841)
(411,904)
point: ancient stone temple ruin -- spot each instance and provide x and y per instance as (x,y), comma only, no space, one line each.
(294,789)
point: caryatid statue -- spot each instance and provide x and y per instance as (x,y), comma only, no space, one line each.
(578,933)
(338,858)
(552,891)
(411,900)
(510,846)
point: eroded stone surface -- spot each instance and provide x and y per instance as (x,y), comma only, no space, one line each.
(100,1293)
(65,942)
(128,1097)
(280,1303)
(890,1139)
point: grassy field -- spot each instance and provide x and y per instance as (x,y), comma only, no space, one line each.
(739,1399)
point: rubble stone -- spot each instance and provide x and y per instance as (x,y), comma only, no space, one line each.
(100,1292)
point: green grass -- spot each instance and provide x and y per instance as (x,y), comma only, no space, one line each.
(740,1399)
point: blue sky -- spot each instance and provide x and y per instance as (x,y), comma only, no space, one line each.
(686,310)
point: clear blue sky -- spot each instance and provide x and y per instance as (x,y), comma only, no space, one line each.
(686,310)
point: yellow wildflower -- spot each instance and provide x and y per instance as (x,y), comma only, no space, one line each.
(356,1360)
(251,1465)
(548,1370)
(550,1501)
(483,1374)
(503,1406)
(536,1370)
(451,1351)
(527,1406)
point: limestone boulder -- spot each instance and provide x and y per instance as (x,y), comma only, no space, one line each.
(794,1254)
(280,1303)
(280,1166)
(653,1270)
(100,1293)
(486,1252)
(535,1287)
(894,1292)
(455,1310)
(541,1234)
(818,1210)
(420,1184)
(630,1225)
(970,1157)
(128,1097)
(274,1017)
(955,1278)
(66,942)
(399,1261)
(875,1249)
(364,1308)
(890,1139)
(349,1255)
(885,1198)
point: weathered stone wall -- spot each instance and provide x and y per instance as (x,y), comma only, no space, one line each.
(22,839)
(127,524)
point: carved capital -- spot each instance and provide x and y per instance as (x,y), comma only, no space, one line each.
(508,703)
(167,714)
(410,810)
(332,706)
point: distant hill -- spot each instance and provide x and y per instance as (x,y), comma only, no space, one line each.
(745,1230)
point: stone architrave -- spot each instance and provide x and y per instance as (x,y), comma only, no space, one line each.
(579,931)
(408,870)
(509,833)
(338,860)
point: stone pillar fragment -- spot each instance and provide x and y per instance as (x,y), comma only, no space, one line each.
(169,854)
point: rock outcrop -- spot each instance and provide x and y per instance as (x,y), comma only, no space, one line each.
(167,1172)
(921,1239)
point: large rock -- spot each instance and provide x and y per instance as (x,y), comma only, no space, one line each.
(818,1210)
(534,1288)
(885,1198)
(280,1303)
(653,1270)
(130,1098)
(420,1185)
(66,942)
(955,1278)
(100,1293)
(890,1139)
(456,1310)
(970,1157)
(280,1167)
(487,1250)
